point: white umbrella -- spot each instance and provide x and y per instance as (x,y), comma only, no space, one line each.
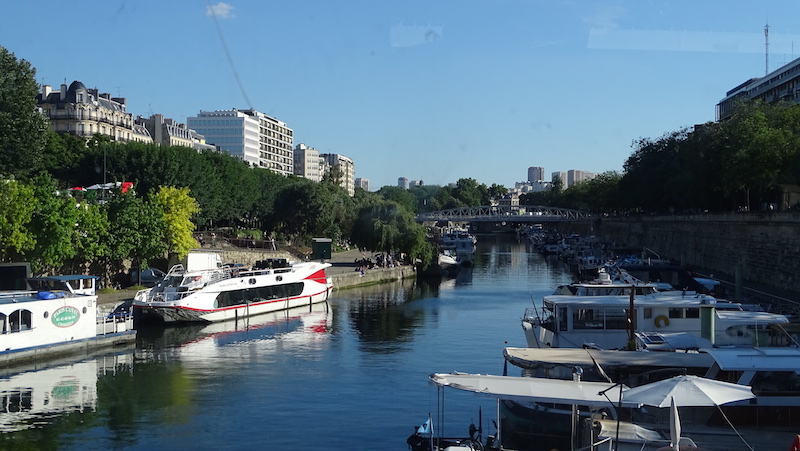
(687,391)
(674,425)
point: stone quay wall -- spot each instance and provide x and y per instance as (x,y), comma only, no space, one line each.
(762,247)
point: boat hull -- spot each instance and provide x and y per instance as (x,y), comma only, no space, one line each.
(179,314)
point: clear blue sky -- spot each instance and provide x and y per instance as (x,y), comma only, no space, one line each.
(429,90)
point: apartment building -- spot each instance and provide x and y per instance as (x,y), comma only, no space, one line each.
(84,112)
(348,170)
(307,162)
(782,84)
(260,140)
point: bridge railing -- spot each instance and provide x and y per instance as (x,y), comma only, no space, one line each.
(522,213)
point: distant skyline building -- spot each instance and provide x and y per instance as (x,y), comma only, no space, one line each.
(258,139)
(348,170)
(402,182)
(307,162)
(362,183)
(531,187)
(563,176)
(535,173)
(576,176)
(415,183)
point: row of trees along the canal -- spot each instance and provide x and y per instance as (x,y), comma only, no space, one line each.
(742,163)
(176,191)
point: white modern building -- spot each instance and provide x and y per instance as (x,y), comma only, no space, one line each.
(260,140)
(576,176)
(362,183)
(307,162)
(532,186)
(782,84)
(563,176)
(348,170)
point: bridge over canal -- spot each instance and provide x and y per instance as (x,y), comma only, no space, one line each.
(503,217)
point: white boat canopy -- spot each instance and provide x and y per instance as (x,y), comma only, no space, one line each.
(535,389)
(756,359)
(549,357)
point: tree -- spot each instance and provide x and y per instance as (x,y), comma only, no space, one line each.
(136,230)
(177,209)
(304,210)
(91,240)
(22,127)
(399,195)
(385,226)
(496,191)
(53,223)
(471,193)
(16,208)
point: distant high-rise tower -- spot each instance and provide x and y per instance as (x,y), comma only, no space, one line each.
(535,173)
(402,182)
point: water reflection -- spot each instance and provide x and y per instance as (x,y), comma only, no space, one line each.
(216,342)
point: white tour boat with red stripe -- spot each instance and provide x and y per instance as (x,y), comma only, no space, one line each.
(205,290)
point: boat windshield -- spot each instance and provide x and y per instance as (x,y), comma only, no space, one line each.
(171,281)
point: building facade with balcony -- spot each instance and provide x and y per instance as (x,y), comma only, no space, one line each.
(83,112)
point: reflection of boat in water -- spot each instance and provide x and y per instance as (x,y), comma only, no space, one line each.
(33,398)
(206,291)
(303,326)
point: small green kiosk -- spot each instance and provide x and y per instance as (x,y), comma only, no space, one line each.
(321,248)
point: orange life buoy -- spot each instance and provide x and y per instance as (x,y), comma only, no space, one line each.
(662,321)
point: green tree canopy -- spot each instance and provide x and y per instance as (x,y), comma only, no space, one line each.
(23,130)
(177,208)
(17,204)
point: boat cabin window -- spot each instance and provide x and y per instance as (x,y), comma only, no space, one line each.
(600,318)
(562,318)
(19,320)
(5,324)
(261,294)
(16,400)
(776,382)
(675,312)
(648,312)
(693,313)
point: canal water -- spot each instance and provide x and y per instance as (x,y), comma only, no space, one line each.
(351,374)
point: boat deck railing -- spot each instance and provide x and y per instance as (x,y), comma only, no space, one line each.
(115,323)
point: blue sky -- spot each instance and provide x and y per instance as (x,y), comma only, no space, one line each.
(425,89)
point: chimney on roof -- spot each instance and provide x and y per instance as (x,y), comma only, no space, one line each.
(63,95)
(46,90)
